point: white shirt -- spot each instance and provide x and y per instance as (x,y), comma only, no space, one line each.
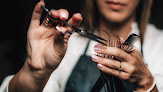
(152,51)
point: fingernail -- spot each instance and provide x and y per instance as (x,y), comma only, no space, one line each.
(79,14)
(59,30)
(121,39)
(95,57)
(64,15)
(100,65)
(63,30)
(98,45)
(97,48)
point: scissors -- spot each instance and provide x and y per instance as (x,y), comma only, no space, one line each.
(129,42)
(75,30)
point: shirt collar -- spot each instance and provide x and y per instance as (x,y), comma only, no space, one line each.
(134,28)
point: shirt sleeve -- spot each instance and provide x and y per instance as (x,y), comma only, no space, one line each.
(153,53)
(4,86)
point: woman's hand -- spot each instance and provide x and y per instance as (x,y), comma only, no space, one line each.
(134,69)
(45,49)
(45,45)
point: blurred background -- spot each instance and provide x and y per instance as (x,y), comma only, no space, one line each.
(15,18)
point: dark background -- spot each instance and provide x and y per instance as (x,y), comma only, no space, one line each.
(14,21)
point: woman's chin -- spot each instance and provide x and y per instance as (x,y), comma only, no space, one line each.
(118,19)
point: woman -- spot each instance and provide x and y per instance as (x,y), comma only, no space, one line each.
(46,49)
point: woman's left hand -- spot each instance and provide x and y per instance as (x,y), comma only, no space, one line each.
(134,69)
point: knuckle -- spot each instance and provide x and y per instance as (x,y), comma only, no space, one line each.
(132,70)
(102,61)
(134,61)
(112,64)
(113,72)
(105,70)
(105,62)
(127,77)
(118,52)
(108,71)
(104,49)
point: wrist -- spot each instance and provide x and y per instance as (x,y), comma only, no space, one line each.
(145,84)
(36,73)
(26,81)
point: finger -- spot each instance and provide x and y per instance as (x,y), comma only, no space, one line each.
(61,30)
(111,63)
(63,14)
(113,51)
(135,51)
(76,19)
(99,45)
(48,21)
(59,34)
(120,74)
(121,40)
(54,13)
(36,15)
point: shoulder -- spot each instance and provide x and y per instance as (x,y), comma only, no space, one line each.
(153,40)
(153,33)
(153,36)
(152,46)
(5,83)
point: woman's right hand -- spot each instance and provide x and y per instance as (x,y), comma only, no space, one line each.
(45,50)
(45,45)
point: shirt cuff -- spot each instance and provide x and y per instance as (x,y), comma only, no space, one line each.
(151,88)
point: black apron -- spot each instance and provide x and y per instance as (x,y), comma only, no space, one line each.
(85,74)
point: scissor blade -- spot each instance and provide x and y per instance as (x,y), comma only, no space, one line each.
(46,9)
(94,39)
(88,34)
(95,36)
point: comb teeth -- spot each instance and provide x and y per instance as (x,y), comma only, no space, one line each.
(114,41)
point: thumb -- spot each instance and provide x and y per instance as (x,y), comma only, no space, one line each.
(36,15)
(59,34)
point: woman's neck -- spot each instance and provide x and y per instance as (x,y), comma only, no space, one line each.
(121,29)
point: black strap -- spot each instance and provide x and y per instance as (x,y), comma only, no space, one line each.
(142,50)
(101,83)
(86,47)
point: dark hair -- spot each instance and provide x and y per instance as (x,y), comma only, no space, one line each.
(142,15)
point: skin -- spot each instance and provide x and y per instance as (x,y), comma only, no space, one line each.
(117,15)
(134,68)
(46,48)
